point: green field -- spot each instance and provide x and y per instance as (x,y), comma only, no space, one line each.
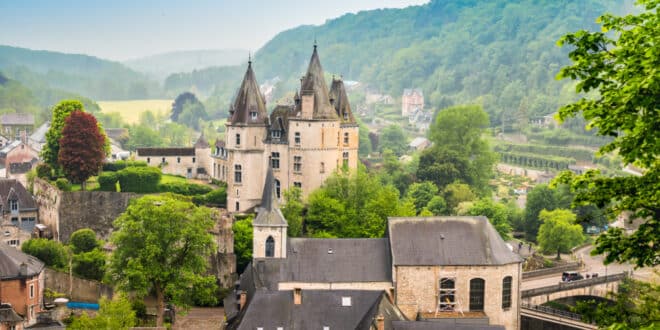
(130,110)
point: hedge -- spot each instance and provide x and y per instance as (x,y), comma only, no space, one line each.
(122,164)
(181,188)
(538,161)
(108,181)
(139,179)
(217,198)
(546,150)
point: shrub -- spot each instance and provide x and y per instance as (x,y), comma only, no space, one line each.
(139,179)
(217,198)
(63,184)
(184,188)
(52,253)
(90,265)
(108,181)
(84,240)
(44,171)
(122,164)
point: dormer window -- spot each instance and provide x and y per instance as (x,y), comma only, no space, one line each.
(14,205)
(253,115)
(345,115)
(276,134)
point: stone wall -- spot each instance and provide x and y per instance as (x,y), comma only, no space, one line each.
(223,262)
(80,290)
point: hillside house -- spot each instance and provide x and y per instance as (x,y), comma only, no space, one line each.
(21,288)
(17,158)
(19,212)
(412,99)
(190,162)
(15,125)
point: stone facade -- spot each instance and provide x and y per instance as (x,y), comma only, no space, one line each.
(194,162)
(411,100)
(18,213)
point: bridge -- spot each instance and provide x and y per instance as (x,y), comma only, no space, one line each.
(595,286)
(555,316)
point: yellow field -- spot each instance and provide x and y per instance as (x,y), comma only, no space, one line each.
(130,110)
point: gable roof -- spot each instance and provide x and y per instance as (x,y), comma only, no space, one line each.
(39,134)
(17,119)
(13,189)
(444,241)
(11,260)
(8,314)
(313,83)
(161,152)
(340,101)
(269,213)
(248,99)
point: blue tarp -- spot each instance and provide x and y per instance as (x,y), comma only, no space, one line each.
(82,305)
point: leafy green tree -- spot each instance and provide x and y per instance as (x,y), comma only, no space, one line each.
(539,198)
(82,147)
(443,167)
(558,231)
(51,150)
(392,137)
(421,193)
(192,114)
(242,242)
(90,265)
(496,214)
(394,172)
(162,244)
(437,206)
(84,240)
(52,253)
(143,136)
(621,78)
(115,314)
(457,193)
(292,211)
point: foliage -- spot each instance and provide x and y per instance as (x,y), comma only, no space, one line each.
(622,73)
(51,150)
(215,198)
(539,198)
(292,211)
(162,244)
(457,193)
(139,179)
(421,193)
(535,160)
(84,240)
(115,314)
(180,102)
(496,214)
(82,147)
(108,181)
(636,306)
(143,136)
(184,188)
(63,184)
(52,253)
(559,232)
(242,242)
(192,114)
(548,150)
(122,164)
(395,173)
(90,265)
(393,138)
(437,206)
(44,171)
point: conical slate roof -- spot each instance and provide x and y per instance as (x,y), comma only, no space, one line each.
(201,143)
(268,213)
(340,102)
(314,83)
(249,100)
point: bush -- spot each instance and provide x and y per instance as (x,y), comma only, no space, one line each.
(63,184)
(184,188)
(44,171)
(84,240)
(217,198)
(108,181)
(89,265)
(139,179)
(122,164)
(52,253)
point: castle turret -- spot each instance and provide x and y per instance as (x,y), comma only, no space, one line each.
(314,92)
(269,227)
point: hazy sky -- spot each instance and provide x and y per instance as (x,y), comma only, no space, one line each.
(124,29)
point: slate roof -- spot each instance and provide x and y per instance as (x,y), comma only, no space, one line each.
(248,99)
(313,83)
(11,260)
(279,121)
(8,314)
(13,189)
(220,143)
(444,241)
(201,143)
(17,119)
(411,91)
(442,324)
(269,213)
(340,102)
(319,308)
(39,134)
(165,152)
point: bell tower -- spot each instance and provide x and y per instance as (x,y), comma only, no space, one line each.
(269,227)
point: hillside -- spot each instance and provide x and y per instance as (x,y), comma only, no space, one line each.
(501,53)
(81,74)
(160,66)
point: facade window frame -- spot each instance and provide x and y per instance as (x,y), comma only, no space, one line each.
(297,164)
(275,160)
(238,174)
(477,294)
(507,282)
(296,138)
(238,139)
(447,294)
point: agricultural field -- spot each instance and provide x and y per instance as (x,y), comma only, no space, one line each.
(130,110)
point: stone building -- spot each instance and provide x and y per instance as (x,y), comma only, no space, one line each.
(15,125)
(21,286)
(19,213)
(190,162)
(411,100)
(18,158)
(434,273)
(303,142)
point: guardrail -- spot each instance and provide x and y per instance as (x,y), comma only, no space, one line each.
(553,270)
(553,311)
(573,285)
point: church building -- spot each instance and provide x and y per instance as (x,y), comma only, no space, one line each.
(303,142)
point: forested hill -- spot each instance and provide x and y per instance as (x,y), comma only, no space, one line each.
(81,74)
(162,65)
(502,53)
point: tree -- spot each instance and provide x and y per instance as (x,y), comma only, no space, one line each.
(142,136)
(84,240)
(292,211)
(162,244)
(113,314)
(82,148)
(421,194)
(392,137)
(242,242)
(89,265)
(52,253)
(51,150)
(443,167)
(558,231)
(496,214)
(192,114)
(623,76)
(457,193)
(437,206)
(539,198)
(180,102)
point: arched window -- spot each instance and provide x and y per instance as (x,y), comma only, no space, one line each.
(477,288)
(270,247)
(506,292)
(277,188)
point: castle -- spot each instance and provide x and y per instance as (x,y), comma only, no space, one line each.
(303,142)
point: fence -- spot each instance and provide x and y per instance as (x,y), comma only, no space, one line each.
(553,270)
(573,285)
(553,311)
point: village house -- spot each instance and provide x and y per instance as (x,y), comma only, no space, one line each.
(190,162)
(412,99)
(428,272)
(15,125)
(303,142)
(19,213)
(16,159)
(21,288)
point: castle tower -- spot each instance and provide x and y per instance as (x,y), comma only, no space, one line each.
(269,227)
(244,142)
(349,129)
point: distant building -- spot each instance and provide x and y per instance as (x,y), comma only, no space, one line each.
(15,125)
(191,162)
(420,119)
(21,287)
(17,158)
(38,139)
(19,213)
(412,99)
(419,143)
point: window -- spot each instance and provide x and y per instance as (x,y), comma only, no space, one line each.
(238,139)
(275,160)
(345,159)
(345,115)
(148,160)
(14,242)
(31,290)
(297,138)
(163,160)
(297,164)
(193,160)
(322,169)
(253,115)
(477,287)
(14,205)
(270,247)
(14,221)
(237,206)
(346,138)
(447,294)
(178,160)
(238,171)
(276,134)
(277,188)
(506,292)
(297,185)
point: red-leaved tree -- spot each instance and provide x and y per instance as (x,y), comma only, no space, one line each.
(82,147)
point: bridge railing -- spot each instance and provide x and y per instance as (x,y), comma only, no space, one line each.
(553,270)
(553,311)
(562,286)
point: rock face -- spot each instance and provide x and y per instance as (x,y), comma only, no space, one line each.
(66,212)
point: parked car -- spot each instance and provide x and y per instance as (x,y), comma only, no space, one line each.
(571,276)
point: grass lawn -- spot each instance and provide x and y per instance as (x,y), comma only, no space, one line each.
(130,110)
(166,178)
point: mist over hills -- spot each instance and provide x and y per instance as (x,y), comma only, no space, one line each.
(162,65)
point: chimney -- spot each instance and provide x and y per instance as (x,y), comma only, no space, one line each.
(23,270)
(297,296)
(380,322)
(242,300)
